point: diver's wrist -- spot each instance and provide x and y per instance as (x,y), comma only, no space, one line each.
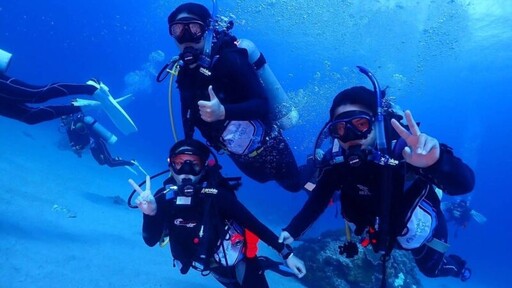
(287,252)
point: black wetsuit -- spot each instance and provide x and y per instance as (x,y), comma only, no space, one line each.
(208,212)
(99,151)
(81,134)
(15,95)
(458,212)
(239,89)
(360,194)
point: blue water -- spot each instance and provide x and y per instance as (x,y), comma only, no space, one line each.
(449,62)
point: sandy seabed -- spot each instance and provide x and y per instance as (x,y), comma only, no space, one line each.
(61,225)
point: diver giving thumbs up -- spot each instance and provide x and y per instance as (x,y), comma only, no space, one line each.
(211,110)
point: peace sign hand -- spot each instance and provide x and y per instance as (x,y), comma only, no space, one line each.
(145,201)
(422,150)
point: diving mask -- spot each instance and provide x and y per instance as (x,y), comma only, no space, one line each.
(184,164)
(351,125)
(187,30)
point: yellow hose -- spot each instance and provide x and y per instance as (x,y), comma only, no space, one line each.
(174,72)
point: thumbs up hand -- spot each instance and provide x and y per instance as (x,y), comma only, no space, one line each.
(211,110)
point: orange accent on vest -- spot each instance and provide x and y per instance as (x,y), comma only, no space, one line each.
(252,244)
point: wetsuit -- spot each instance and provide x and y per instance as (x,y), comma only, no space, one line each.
(81,134)
(207,215)
(15,95)
(265,155)
(459,212)
(413,192)
(99,151)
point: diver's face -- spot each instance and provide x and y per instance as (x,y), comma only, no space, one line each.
(369,141)
(186,166)
(190,27)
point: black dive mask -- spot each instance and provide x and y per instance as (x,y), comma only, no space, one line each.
(189,37)
(188,167)
(190,55)
(187,30)
(351,125)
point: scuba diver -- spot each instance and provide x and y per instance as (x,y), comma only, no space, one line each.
(15,95)
(83,131)
(460,213)
(222,95)
(207,227)
(386,194)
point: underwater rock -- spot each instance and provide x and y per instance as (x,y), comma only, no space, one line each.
(64,210)
(118,200)
(326,268)
(105,200)
(29,135)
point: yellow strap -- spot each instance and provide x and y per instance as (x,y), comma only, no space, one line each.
(256,152)
(163,241)
(347,231)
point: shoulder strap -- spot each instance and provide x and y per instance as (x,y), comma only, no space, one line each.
(223,40)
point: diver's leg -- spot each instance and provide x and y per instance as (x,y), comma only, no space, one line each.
(253,276)
(101,151)
(286,173)
(226,276)
(274,162)
(433,263)
(16,91)
(252,167)
(35,115)
(116,162)
(97,152)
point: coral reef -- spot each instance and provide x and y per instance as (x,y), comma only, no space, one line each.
(326,268)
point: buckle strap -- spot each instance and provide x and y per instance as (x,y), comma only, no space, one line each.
(252,154)
(256,152)
(438,245)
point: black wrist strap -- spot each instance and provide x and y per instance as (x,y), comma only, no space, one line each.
(286,252)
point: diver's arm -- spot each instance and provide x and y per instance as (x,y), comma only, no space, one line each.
(251,102)
(315,205)
(153,226)
(234,210)
(449,173)
(433,161)
(231,208)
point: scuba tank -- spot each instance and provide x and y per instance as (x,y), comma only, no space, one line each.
(100,130)
(5,60)
(283,113)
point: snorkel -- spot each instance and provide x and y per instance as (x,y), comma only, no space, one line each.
(205,60)
(385,242)
(380,155)
(379,122)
